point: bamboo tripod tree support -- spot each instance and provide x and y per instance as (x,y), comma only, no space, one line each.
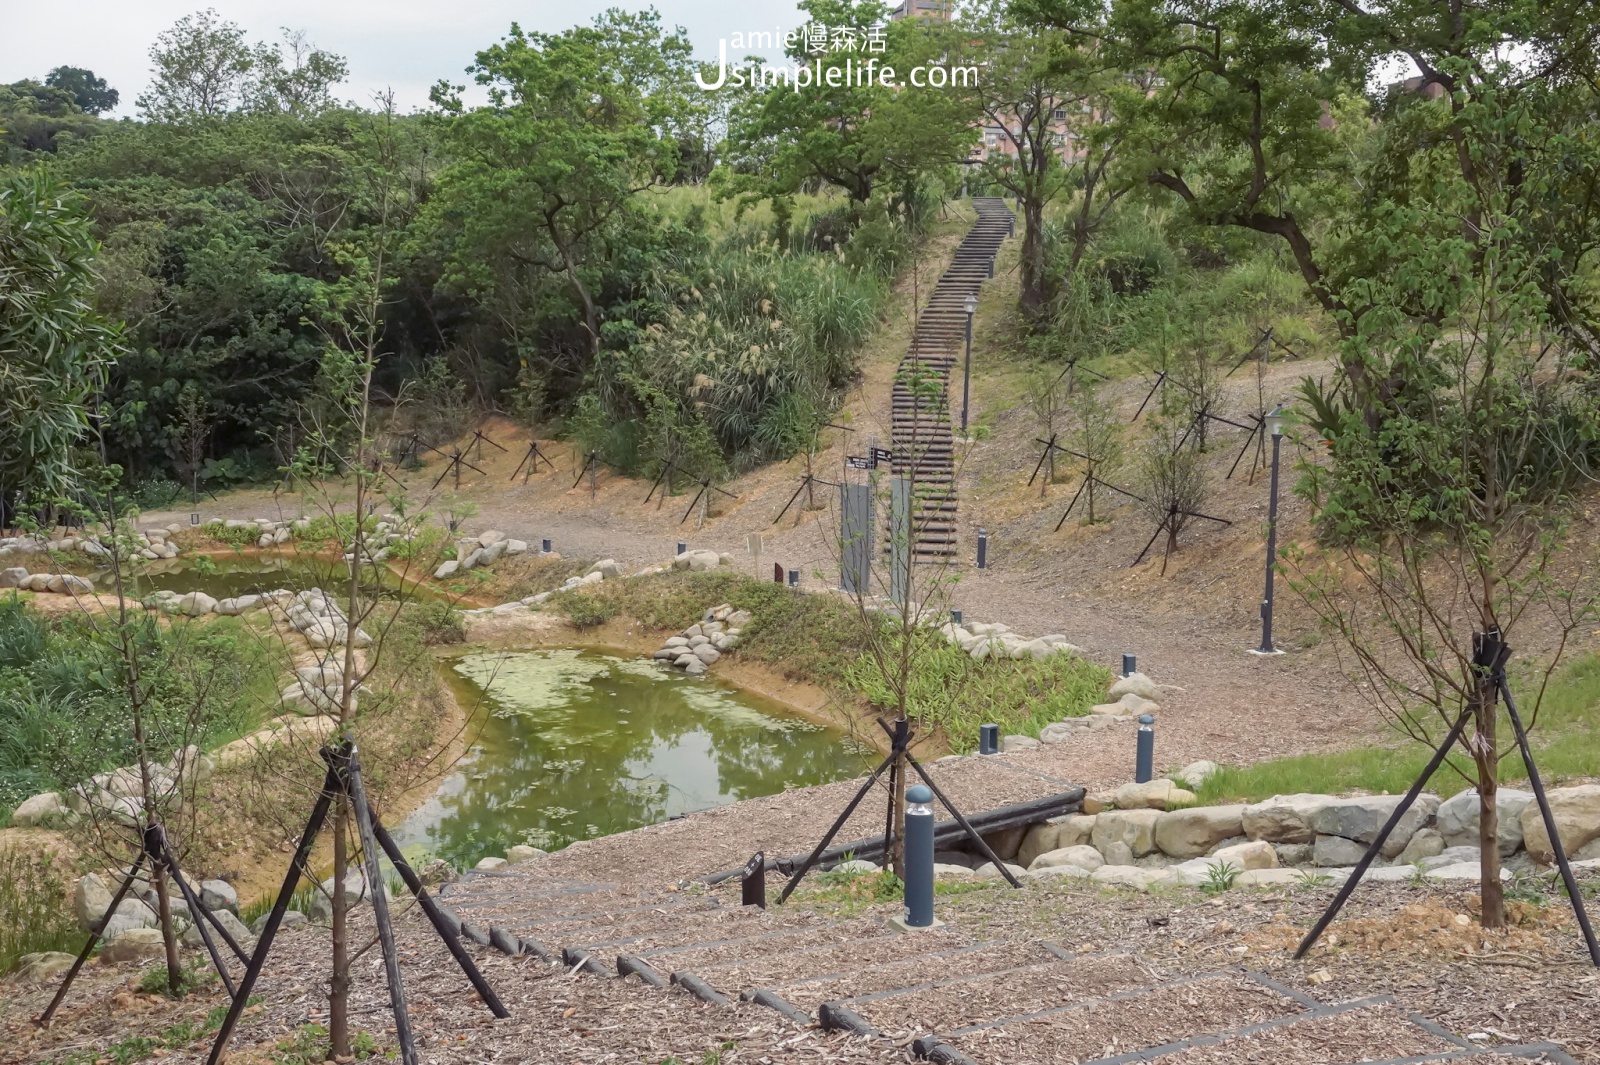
(1490,654)
(155,850)
(344,778)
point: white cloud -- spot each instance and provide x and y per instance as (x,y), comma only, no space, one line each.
(405,45)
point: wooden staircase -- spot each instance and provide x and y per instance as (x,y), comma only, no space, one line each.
(921,437)
(952,994)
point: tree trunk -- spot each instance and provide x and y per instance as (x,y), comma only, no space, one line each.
(169,937)
(1488,763)
(339,980)
(897,856)
(1031,301)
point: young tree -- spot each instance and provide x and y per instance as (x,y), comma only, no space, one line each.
(1094,431)
(1171,481)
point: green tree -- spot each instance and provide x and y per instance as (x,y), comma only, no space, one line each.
(92,95)
(295,77)
(54,348)
(200,69)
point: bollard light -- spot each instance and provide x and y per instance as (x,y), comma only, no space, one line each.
(1274,426)
(970,305)
(546,546)
(919,856)
(988,739)
(955,616)
(983,549)
(683,546)
(1128,667)
(194,518)
(794,578)
(991,266)
(1145,757)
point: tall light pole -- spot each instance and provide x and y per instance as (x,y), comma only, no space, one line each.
(971,305)
(1274,425)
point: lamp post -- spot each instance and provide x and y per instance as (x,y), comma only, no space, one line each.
(971,305)
(1274,425)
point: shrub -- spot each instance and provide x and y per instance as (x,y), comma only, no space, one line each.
(33,906)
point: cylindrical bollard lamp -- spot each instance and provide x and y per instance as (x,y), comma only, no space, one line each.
(794,578)
(919,856)
(1145,757)
(682,546)
(983,549)
(988,739)
(955,616)
(1128,666)
(546,546)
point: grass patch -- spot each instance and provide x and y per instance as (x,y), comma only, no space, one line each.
(1563,738)
(139,1047)
(33,907)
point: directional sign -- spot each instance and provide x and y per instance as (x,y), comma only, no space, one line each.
(860,462)
(881,455)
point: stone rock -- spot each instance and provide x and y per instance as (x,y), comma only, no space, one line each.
(291,919)
(472,560)
(1294,853)
(607,568)
(135,944)
(1039,839)
(707,654)
(1058,872)
(1018,743)
(856,866)
(1136,684)
(1152,795)
(738,619)
(523,853)
(72,584)
(1336,851)
(1449,856)
(235,927)
(1362,818)
(1252,855)
(1136,828)
(1268,877)
(90,901)
(1078,828)
(489,864)
(1194,775)
(43,967)
(1128,876)
(490,537)
(1427,843)
(1194,832)
(961,858)
(1084,857)
(1118,853)
(1576,811)
(725,559)
(987,871)
(437,871)
(1283,818)
(697,560)
(491,554)
(695,668)
(1464,871)
(516,547)
(941,869)
(219,895)
(446,569)
(1058,731)
(355,894)
(1099,802)
(1006,842)
(1459,815)
(43,807)
(195,604)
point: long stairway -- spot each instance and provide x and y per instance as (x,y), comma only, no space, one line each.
(954,994)
(923,445)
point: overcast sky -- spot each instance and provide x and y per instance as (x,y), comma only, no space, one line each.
(403,44)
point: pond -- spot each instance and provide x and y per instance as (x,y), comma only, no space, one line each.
(573,744)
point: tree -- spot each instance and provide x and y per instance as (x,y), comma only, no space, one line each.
(1094,431)
(547,173)
(201,69)
(92,95)
(294,78)
(54,350)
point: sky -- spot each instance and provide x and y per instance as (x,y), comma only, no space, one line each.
(406,45)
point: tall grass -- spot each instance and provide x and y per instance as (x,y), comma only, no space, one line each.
(33,906)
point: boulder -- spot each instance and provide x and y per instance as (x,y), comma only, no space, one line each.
(1058,872)
(72,584)
(291,919)
(1464,871)
(1362,818)
(1058,731)
(1128,876)
(987,871)
(1018,743)
(695,668)
(43,807)
(1194,832)
(1039,839)
(489,864)
(1449,856)
(195,604)
(1337,851)
(1136,828)
(438,871)
(725,559)
(676,641)
(235,927)
(707,654)
(1459,815)
(1082,856)
(1283,818)
(446,569)
(1075,830)
(856,866)
(1576,811)
(1006,842)
(522,853)
(90,900)
(1425,844)
(1294,853)
(490,538)
(607,568)
(43,967)
(1152,795)
(355,894)
(1251,855)
(1099,802)
(1118,853)
(1194,775)
(12,577)
(516,547)
(135,944)
(1136,684)
(219,895)
(1269,878)
(949,872)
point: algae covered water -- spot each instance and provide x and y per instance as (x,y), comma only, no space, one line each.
(572,744)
